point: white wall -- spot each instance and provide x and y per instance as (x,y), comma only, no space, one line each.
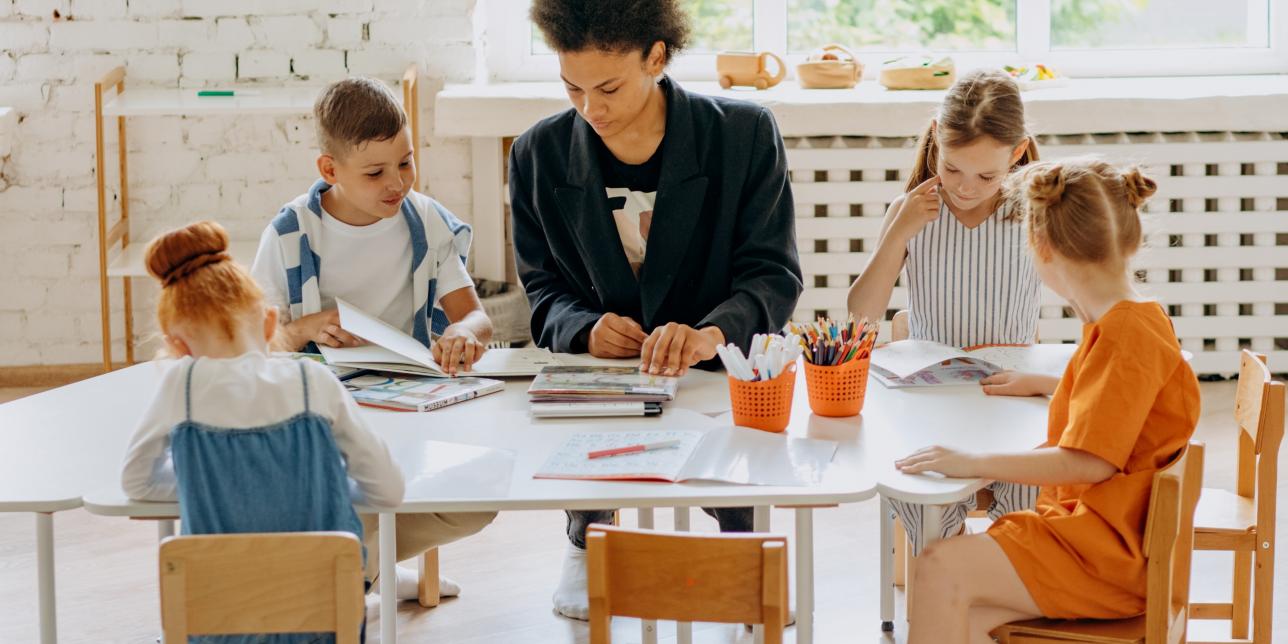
(239,171)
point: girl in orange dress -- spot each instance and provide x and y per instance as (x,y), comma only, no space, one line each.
(1125,407)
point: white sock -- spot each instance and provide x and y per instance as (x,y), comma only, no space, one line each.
(408,585)
(571,598)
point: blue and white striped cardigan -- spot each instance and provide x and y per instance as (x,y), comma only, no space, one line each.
(301,219)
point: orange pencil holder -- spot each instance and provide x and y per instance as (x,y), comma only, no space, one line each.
(766,404)
(838,390)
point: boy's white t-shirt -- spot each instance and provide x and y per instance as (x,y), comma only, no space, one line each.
(367,266)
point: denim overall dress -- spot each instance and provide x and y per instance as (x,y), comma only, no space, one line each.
(284,477)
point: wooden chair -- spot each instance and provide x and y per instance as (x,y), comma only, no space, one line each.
(289,582)
(1243,522)
(732,578)
(1169,542)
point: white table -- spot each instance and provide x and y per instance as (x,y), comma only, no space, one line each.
(71,440)
(501,421)
(57,445)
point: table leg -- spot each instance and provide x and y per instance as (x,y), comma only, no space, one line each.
(683,630)
(165,529)
(887,566)
(648,627)
(759,523)
(388,578)
(804,575)
(45,577)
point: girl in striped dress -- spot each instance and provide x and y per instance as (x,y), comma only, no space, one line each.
(962,250)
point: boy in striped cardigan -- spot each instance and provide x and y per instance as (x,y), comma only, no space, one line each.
(363,234)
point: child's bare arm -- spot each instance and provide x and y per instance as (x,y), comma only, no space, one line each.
(464,341)
(322,328)
(1042,466)
(908,214)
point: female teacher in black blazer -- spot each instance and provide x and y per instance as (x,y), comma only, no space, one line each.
(648,221)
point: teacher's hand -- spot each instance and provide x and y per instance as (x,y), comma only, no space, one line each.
(615,336)
(670,350)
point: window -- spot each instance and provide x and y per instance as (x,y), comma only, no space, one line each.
(1077,37)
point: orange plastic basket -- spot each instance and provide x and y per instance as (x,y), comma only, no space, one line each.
(765,404)
(839,390)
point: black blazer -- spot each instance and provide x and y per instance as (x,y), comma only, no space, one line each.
(722,243)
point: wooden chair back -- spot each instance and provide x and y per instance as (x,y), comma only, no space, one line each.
(1259,413)
(290,582)
(732,578)
(899,326)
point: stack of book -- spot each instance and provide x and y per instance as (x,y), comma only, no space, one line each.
(571,391)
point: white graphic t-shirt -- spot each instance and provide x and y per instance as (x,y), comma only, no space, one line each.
(631,191)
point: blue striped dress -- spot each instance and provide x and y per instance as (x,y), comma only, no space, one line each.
(966,287)
(971,286)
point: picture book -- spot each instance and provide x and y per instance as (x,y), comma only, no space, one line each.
(417,393)
(593,409)
(340,371)
(920,363)
(726,454)
(580,383)
(389,349)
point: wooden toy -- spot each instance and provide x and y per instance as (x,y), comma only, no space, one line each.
(748,69)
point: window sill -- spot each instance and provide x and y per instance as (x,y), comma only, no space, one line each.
(1171,104)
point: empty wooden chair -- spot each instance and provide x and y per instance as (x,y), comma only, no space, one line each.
(732,578)
(1169,541)
(289,582)
(1243,521)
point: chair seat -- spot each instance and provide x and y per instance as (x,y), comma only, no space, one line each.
(1224,512)
(1115,631)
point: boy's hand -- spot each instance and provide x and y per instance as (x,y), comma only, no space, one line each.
(920,207)
(946,461)
(615,336)
(670,350)
(1015,383)
(457,349)
(324,329)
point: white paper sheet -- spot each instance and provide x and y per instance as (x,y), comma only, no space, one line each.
(906,357)
(752,457)
(443,469)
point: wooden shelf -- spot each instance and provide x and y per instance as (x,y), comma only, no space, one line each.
(129,262)
(185,102)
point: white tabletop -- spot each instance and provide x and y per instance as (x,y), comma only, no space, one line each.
(59,444)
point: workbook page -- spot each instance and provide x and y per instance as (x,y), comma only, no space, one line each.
(753,457)
(570,461)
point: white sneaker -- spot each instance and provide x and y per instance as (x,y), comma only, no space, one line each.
(571,598)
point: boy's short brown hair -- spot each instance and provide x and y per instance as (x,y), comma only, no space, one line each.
(353,111)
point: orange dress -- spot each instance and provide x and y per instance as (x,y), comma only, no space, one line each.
(1128,397)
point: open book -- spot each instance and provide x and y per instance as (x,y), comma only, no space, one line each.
(389,349)
(921,363)
(727,454)
(417,393)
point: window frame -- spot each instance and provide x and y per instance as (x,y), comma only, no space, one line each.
(507,23)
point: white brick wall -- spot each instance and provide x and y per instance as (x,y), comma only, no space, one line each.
(236,170)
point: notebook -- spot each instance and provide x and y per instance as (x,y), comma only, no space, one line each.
(725,454)
(389,349)
(417,393)
(582,383)
(593,409)
(921,363)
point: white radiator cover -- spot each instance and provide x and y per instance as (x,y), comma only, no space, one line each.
(1216,249)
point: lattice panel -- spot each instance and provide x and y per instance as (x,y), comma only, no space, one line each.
(1217,232)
